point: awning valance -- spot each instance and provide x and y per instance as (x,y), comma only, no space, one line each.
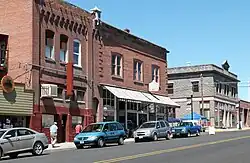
(132,95)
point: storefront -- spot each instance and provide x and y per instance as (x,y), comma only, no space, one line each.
(134,107)
(16,107)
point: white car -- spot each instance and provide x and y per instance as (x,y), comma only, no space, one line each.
(14,141)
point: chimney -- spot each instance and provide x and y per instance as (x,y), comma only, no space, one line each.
(127,30)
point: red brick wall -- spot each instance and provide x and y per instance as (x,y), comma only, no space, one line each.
(16,21)
(129,48)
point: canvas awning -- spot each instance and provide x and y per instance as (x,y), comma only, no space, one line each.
(133,95)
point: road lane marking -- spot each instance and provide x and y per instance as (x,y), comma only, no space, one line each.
(125,158)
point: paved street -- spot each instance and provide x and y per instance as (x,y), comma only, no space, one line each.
(228,147)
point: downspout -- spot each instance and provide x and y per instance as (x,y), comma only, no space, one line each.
(39,54)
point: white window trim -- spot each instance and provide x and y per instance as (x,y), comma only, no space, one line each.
(79,54)
(137,74)
(156,74)
(52,54)
(116,65)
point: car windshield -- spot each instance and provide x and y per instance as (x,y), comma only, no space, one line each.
(93,128)
(148,125)
(2,132)
(183,124)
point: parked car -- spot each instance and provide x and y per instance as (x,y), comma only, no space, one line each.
(153,130)
(98,134)
(186,129)
(14,141)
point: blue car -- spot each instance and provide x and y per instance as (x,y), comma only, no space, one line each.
(98,134)
(186,129)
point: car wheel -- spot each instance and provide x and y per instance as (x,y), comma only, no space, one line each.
(198,133)
(189,134)
(100,142)
(169,136)
(136,140)
(37,149)
(121,141)
(13,155)
(1,153)
(155,138)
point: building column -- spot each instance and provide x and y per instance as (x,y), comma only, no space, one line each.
(231,119)
(126,114)
(228,119)
(137,114)
(224,118)
(218,117)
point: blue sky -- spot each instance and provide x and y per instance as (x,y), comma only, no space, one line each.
(195,31)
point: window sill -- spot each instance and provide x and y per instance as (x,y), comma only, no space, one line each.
(138,82)
(77,67)
(81,102)
(63,63)
(50,60)
(117,78)
(58,99)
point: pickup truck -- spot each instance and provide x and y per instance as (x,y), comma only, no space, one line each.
(186,129)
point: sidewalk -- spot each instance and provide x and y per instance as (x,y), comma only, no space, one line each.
(232,129)
(71,145)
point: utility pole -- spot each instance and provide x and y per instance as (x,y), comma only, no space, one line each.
(192,109)
(202,98)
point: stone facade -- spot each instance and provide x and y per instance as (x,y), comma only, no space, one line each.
(220,92)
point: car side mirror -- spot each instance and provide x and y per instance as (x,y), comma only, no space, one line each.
(7,136)
(157,127)
(105,130)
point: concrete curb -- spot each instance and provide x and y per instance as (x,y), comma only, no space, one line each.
(126,141)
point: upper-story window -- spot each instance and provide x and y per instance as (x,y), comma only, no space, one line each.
(77,53)
(155,73)
(195,86)
(138,70)
(116,68)
(170,88)
(2,53)
(63,48)
(49,42)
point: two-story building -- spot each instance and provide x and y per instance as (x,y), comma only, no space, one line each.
(214,92)
(127,68)
(78,68)
(243,109)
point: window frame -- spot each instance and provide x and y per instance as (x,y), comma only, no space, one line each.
(155,74)
(172,89)
(79,54)
(66,54)
(115,65)
(195,87)
(138,76)
(51,48)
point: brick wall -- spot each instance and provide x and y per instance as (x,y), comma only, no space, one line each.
(16,21)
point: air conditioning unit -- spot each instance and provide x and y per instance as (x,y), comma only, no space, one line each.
(48,90)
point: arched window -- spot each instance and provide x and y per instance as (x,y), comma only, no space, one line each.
(77,53)
(49,44)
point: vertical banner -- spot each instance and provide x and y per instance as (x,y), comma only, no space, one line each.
(70,79)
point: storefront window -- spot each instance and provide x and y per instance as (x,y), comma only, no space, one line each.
(13,121)
(76,120)
(108,98)
(47,120)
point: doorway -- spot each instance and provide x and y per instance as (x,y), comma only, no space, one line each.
(64,122)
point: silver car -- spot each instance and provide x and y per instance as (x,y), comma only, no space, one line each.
(14,141)
(153,130)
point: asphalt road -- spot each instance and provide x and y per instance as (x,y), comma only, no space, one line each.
(227,147)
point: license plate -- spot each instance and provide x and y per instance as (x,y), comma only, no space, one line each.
(177,133)
(81,142)
(140,137)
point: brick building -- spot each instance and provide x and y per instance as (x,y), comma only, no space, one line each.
(215,86)
(244,109)
(56,49)
(126,66)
